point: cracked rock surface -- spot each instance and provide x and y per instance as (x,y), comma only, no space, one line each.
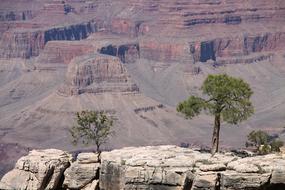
(173,168)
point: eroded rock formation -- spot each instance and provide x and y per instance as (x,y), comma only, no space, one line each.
(168,31)
(41,169)
(157,168)
(82,172)
(25,43)
(170,167)
(63,51)
(97,73)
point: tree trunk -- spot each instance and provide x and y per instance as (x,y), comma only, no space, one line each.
(216,134)
(98,153)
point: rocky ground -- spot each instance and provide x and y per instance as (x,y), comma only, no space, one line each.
(135,60)
(153,167)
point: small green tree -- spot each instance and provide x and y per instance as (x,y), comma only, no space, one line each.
(92,127)
(257,138)
(226,98)
(263,142)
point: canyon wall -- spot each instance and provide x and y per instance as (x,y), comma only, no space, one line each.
(63,51)
(26,43)
(166,31)
(157,168)
(238,46)
(16,15)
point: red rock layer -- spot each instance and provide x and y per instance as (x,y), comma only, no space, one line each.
(26,43)
(176,30)
(63,51)
(97,73)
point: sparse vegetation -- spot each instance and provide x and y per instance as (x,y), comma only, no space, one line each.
(92,127)
(263,142)
(226,97)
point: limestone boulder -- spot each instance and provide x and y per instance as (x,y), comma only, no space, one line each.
(82,172)
(40,169)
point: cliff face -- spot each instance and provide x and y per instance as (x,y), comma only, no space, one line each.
(63,51)
(27,43)
(21,44)
(170,167)
(16,15)
(161,167)
(236,47)
(167,31)
(97,73)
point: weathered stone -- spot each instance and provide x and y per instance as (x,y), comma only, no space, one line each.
(278,173)
(26,43)
(92,186)
(213,167)
(205,181)
(170,167)
(235,180)
(40,169)
(87,158)
(81,172)
(97,73)
(157,168)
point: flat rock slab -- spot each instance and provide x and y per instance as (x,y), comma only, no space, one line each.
(173,168)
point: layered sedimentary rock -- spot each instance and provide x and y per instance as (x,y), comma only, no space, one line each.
(127,49)
(97,73)
(156,167)
(57,7)
(172,168)
(164,50)
(41,169)
(82,172)
(236,47)
(8,15)
(26,43)
(64,51)
(172,31)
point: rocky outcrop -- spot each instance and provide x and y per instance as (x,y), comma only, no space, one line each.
(25,43)
(9,15)
(97,73)
(170,167)
(82,172)
(167,31)
(53,169)
(71,32)
(63,51)
(40,169)
(238,46)
(57,7)
(157,167)
(164,50)
(128,53)
(21,44)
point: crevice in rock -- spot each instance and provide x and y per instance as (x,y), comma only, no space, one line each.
(47,178)
(207,51)
(59,184)
(218,182)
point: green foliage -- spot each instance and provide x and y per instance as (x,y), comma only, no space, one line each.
(276,145)
(191,107)
(264,149)
(91,127)
(263,142)
(226,95)
(257,138)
